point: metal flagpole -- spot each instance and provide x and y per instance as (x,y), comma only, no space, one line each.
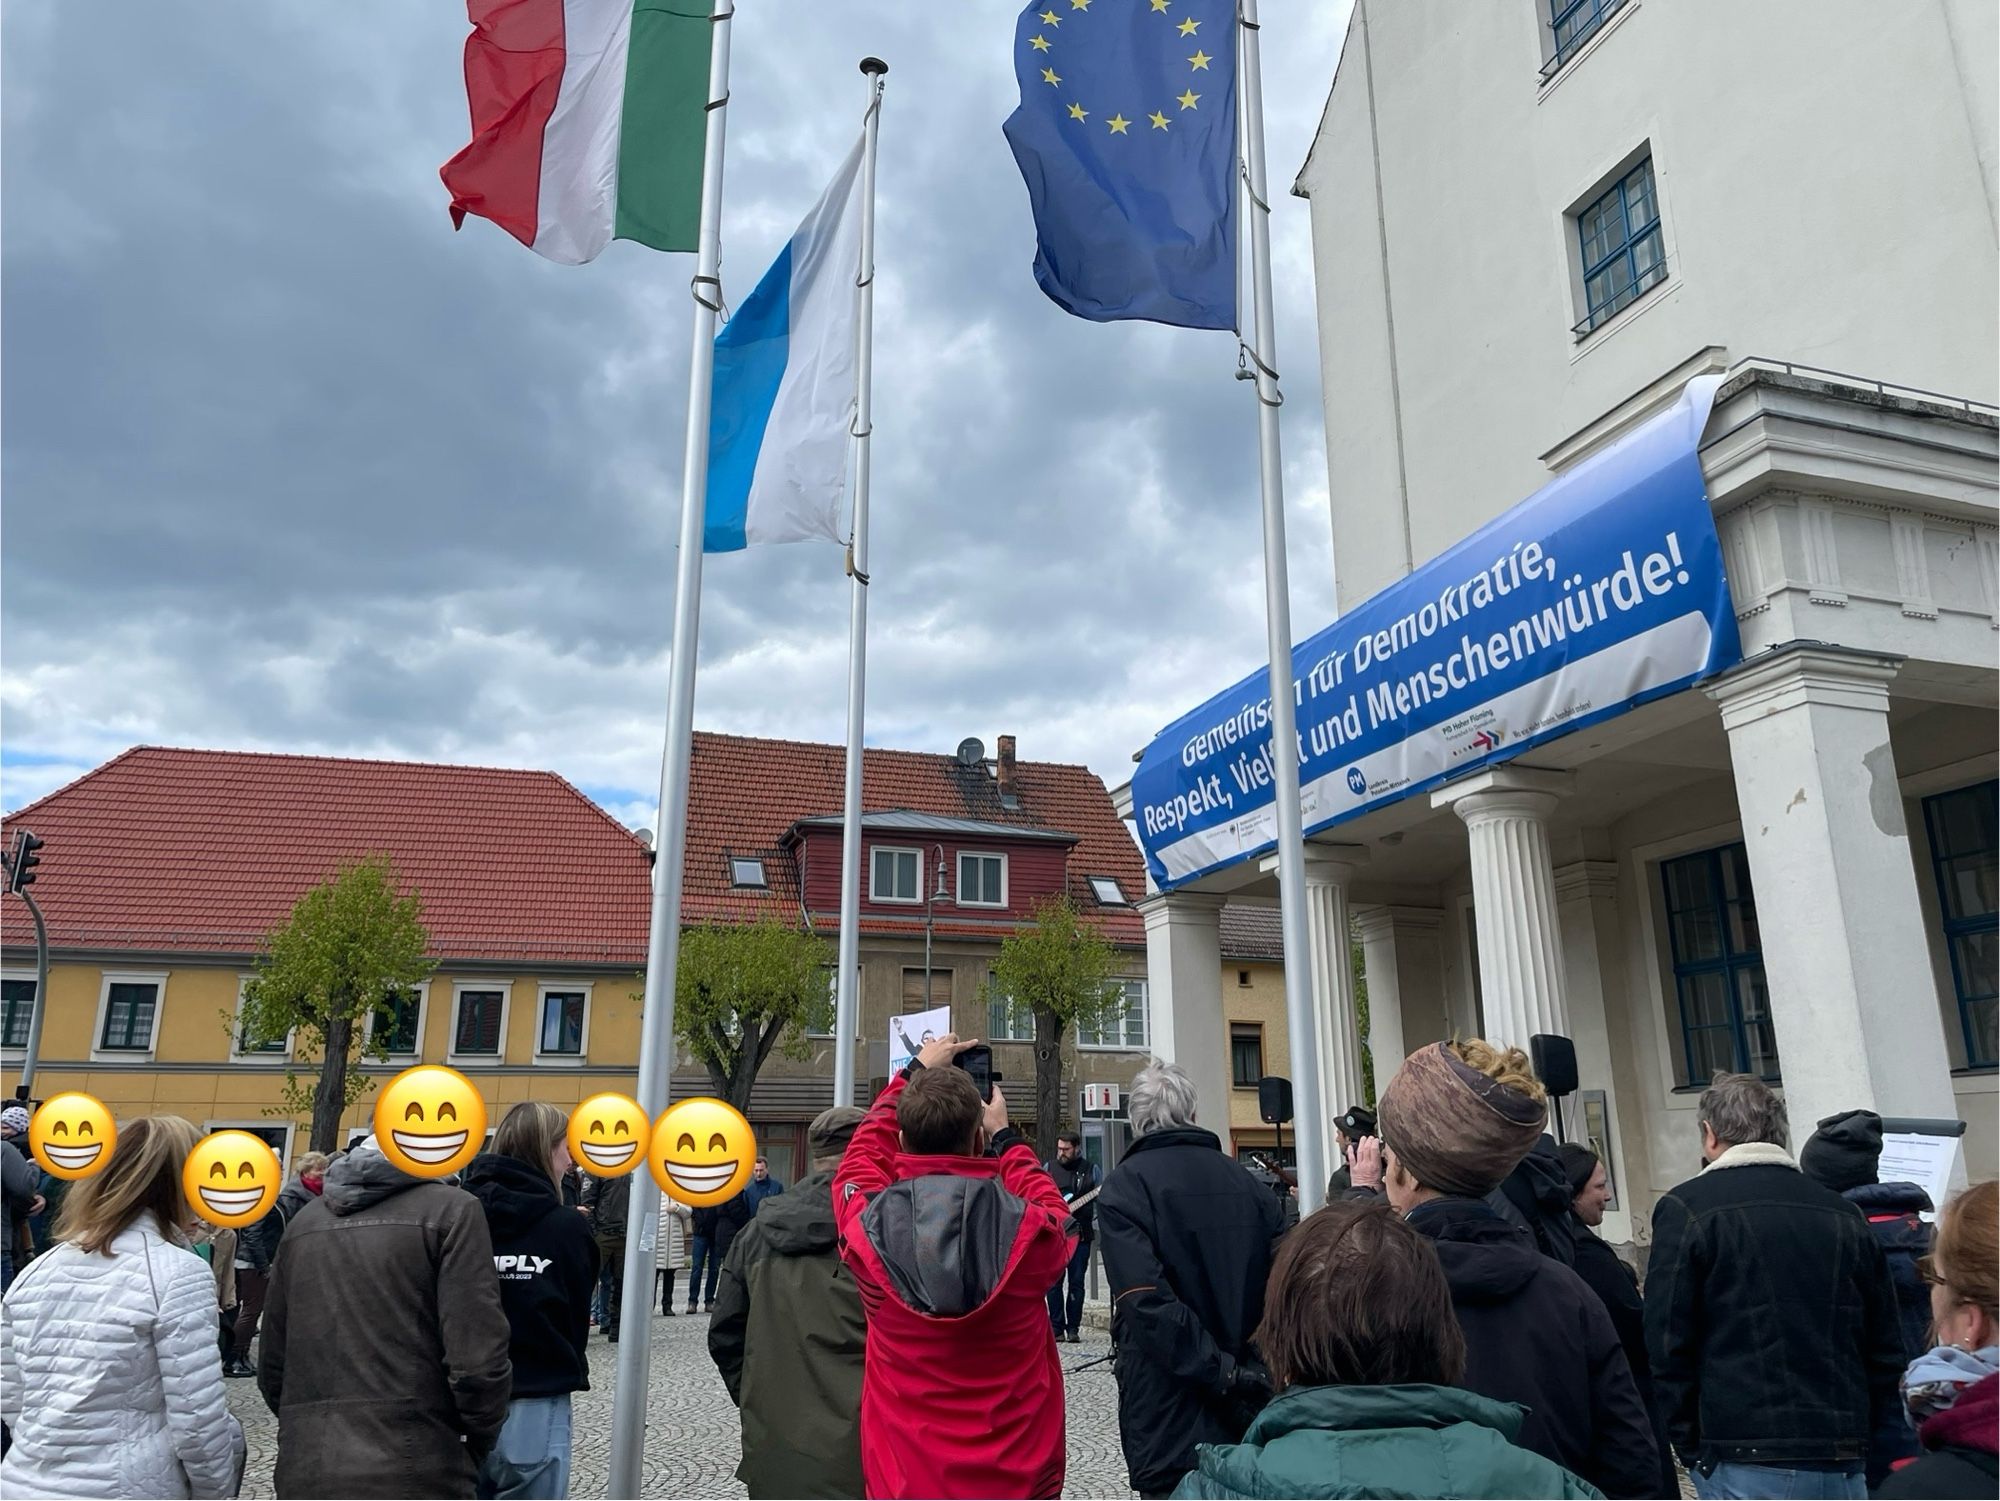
(656,1026)
(846,1007)
(1301,1018)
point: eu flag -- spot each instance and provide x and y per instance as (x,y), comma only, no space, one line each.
(1126,137)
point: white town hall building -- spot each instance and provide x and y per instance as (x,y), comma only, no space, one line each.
(1534,222)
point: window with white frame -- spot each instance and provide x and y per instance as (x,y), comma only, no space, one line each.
(819,1023)
(1124,1028)
(240,1045)
(398,1022)
(564,1025)
(982,880)
(1006,1022)
(128,1014)
(895,875)
(1108,892)
(17,1010)
(747,872)
(479,1021)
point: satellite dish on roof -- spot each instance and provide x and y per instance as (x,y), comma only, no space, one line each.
(971,752)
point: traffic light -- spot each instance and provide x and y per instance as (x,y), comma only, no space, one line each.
(21,868)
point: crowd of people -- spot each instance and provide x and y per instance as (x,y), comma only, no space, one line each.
(1449,1324)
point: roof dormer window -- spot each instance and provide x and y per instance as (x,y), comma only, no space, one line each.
(1108,892)
(747,874)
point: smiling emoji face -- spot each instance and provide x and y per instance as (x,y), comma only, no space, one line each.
(232,1178)
(607,1135)
(702,1152)
(430,1121)
(72,1135)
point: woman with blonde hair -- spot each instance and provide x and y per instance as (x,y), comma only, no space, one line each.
(108,1370)
(1953,1392)
(547,1262)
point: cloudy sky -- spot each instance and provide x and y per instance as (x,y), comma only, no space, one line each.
(290,466)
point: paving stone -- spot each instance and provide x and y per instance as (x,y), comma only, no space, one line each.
(693,1446)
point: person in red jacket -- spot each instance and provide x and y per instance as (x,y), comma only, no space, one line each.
(954,1235)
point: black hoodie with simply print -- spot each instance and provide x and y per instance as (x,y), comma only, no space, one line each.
(547,1263)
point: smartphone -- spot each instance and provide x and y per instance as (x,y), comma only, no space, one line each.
(978,1062)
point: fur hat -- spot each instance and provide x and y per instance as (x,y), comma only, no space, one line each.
(1453,1128)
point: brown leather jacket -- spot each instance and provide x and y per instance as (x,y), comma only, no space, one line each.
(384,1350)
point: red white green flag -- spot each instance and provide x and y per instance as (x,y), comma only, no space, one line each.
(588,118)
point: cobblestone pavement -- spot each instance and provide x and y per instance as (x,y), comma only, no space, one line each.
(692,1442)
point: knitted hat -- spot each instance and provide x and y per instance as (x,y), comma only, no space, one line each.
(1845,1151)
(1578,1163)
(14,1120)
(1357,1123)
(1453,1128)
(832,1130)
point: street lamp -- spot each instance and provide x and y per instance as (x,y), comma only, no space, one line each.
(930,900)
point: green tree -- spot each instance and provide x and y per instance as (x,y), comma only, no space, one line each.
(1063,973)
(351,944)
(743,993)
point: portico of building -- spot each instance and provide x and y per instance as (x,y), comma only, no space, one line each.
(1789,869)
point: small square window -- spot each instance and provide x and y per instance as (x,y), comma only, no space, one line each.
(747,873)
(1243,979)
(1108,892)
(982,880)
(562,1022)
(1620,245)
(128,1017)
(17,1009)
(477,1032)
(895,876)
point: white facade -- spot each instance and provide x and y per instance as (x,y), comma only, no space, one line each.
(1824,181)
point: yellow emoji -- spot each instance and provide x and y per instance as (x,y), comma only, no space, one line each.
(430,1121)
(702,1152)
(607,1135)
(72,1135)
(232,1178)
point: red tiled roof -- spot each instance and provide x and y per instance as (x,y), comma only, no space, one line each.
(206,851)
(747,793)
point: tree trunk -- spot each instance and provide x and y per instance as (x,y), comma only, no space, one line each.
(1049,1114)
(330,1094)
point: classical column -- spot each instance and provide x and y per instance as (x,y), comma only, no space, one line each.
(1404,965)
(1184,996)
(1329,869)
(1587,914)
(1853,1003)
(1506,813)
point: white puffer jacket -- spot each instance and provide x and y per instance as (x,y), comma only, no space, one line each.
(110,1375)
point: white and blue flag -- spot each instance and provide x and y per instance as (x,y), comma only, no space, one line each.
(784,386)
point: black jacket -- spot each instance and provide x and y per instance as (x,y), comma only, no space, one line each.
(258,1244)
(730,1217)
(1892,1209)
(788,1336)
(1073,1180)
(547,1265)
(1536,1197)
(1770,1318)
(609,1202)
(1617,1288)
(1536,1334)
(1187,1247)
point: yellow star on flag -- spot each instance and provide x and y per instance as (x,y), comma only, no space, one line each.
(1188,99)
(1078,112)
(1040,43)
(1199,60)
(1159,120)
(1159,4)
(1050,18)
(1049,76)
(1118,124)
(1079,4)
(1190,27)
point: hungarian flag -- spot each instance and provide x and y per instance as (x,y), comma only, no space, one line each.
(588,119)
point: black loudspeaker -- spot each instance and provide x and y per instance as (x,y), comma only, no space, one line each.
(1555,1062)
(1274,1099)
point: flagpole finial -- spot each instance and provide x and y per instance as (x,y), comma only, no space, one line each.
(874,67)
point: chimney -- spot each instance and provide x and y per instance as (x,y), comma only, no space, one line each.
(1004,773)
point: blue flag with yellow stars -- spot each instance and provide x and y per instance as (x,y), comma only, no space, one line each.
(1126,137)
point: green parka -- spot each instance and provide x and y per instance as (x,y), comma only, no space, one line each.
(787,1335)
(1380,1441)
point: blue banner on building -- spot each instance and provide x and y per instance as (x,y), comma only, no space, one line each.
(1601,591)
